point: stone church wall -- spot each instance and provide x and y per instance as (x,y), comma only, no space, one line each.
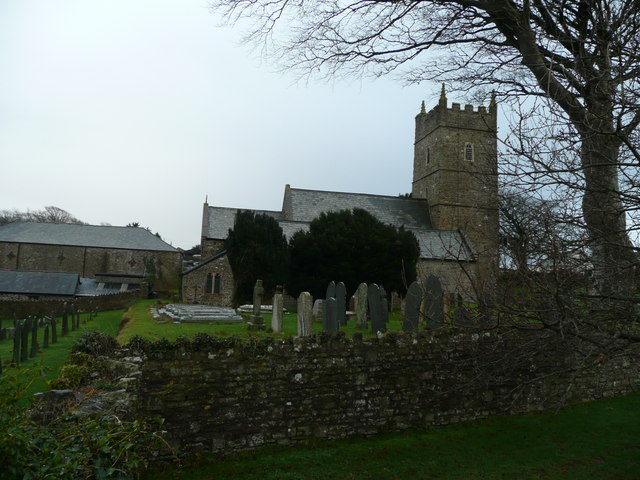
(225,395)
(194,284)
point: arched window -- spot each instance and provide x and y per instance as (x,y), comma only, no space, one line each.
(217,283)
(468,152)
(208,288)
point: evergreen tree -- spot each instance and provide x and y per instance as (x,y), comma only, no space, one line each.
(352,247)
(256,248)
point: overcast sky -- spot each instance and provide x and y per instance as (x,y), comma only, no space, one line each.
(136,110)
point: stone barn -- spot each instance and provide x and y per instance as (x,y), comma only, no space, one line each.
(124,255)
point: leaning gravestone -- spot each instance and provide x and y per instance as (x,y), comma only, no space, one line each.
(305,314)
(331,324)
(413,301)
(375,308)
(433,295)
(360,304)
(277,310)
(255,321)
(341,303)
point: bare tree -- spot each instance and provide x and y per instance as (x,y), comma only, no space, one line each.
(50,214)
(578,57)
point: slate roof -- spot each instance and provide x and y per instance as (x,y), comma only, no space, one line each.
(205,262)
(309,204)
(128,238)
(38,283)
(218,220)
(301,206)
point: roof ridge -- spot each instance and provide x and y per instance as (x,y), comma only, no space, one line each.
(359,194)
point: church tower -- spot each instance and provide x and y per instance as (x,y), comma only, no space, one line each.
(455,169)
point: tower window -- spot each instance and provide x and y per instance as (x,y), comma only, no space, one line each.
(209,285)
(468,152)
(428,156)
(217,283)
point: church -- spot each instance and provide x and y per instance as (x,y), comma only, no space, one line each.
(452,210)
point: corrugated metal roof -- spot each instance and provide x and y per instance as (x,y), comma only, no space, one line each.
(128,238)
(38,283)
(307,205)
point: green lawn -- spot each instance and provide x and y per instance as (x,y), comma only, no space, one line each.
(600,440)
(143,324)
(48,361)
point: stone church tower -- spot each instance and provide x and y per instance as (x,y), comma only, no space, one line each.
(455,169)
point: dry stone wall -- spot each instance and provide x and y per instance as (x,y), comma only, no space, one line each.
(225,395)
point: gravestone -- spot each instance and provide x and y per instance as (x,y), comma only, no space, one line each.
(395,301)
(383,294)
(331,290)
(256,321)
(341,303)
(331,324)
(65,321)
(433,295)
(375,308)
(54,331)
(17,338)
(352,304)
(305,314)
(318,310)
(360,305)
(413,301)
(34,337)
(277,310)
(25,327)
(45,340)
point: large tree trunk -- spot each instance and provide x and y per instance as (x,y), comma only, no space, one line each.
(613,257)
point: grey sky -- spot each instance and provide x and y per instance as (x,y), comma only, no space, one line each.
(135,110)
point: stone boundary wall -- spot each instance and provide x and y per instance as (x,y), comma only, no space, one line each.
(22,306)
(225,395)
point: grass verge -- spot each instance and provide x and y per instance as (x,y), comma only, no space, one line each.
(600,440)
(49,361)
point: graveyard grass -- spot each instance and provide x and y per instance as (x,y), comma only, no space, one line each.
(139,321)
(49,361)
(599,440)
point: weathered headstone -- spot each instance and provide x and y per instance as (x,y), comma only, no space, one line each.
(360,301)
(433,295)
(375,308)
(383,294)
(395,301)
(277,310)
(318,310)
(34,337)
(17,338)
(331,324)
(65,321)
(25,327)
(54,331)
(341,303)
(331,290)
(256,321)
(45,340)
(352,304)
(413,301)
(305,314)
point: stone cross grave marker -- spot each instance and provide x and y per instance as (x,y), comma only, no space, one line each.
(305,314)
(360,306)
(341,303)
(277,310)
(433,295)
(413,301)
(255,321)
(375,308)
